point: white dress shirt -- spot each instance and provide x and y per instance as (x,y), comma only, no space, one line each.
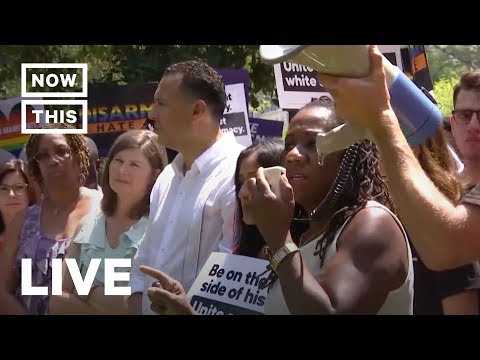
(191,216)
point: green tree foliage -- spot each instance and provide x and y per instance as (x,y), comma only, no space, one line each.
(143,63)
(133,63)
(447,61)
(443,90)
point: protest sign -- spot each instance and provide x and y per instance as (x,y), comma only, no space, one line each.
(235,117)
(230,285)
(11,138)
(264,128)
(297,85)
(237,76)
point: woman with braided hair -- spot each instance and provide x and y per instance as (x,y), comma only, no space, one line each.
(43,232)
(354,258)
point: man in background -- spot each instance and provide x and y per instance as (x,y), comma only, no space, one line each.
(92,178)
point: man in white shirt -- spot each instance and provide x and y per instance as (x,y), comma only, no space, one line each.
(193,200)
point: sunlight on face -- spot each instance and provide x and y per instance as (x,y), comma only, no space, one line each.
(130,174)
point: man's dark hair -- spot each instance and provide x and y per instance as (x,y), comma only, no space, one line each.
(201,81)
(92,177)
(468,81)
(446,124)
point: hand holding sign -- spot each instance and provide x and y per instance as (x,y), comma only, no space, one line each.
(167,295)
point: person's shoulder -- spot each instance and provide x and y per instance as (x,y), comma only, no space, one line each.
(24,217)
(141,225)
(165,177)
(167,173)
(93,194)
(230,155)
(230,145)
(374,227)
(377,244)
(88,225)
(25,223)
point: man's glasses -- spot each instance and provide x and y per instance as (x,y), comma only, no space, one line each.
(17,189)
(464,117)
(60,153)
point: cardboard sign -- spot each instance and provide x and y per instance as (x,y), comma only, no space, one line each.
(230,285)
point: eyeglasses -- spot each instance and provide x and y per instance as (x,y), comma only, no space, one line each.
(17,189)
(59,153)
(464,117)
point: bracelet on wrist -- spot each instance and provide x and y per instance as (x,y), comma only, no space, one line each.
(281,254)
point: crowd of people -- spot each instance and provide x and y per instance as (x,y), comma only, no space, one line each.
(381,227)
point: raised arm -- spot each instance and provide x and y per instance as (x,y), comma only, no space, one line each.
(445,236)
(371,261)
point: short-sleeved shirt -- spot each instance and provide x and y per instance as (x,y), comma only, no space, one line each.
(431,287)
(94,245)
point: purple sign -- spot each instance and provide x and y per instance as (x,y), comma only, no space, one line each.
(236,76)
(261,128)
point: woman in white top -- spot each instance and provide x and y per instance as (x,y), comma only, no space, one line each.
(353,259)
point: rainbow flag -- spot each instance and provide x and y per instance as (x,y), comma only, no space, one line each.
(11,138)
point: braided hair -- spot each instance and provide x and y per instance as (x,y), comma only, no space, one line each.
(358,181)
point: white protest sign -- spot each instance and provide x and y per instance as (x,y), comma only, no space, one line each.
(297,85)
(235,117)
(230,285)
